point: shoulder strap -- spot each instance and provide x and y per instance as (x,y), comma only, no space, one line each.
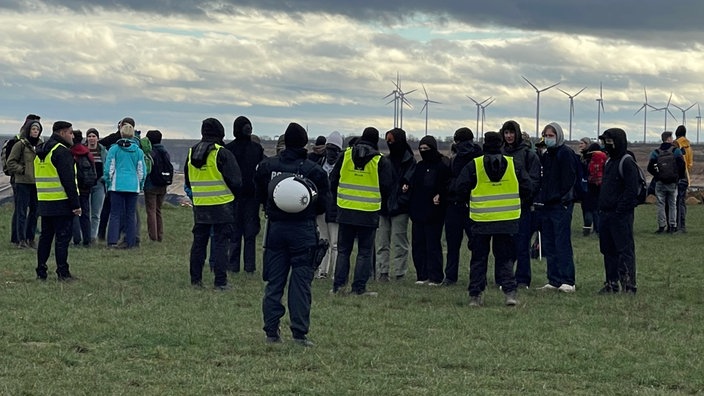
(620,164)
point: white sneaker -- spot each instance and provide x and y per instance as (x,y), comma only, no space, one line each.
(548,287)
(434,284)
(421,282)
(565,288)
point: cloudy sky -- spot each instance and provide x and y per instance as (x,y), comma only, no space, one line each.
(328,64)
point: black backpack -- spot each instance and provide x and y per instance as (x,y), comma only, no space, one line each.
(85,172)
(162,173)
(6,149)
(667,167)
(642,185)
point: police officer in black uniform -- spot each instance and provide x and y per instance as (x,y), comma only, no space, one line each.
(291,237)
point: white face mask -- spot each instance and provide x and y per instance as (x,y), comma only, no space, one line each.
(550,141)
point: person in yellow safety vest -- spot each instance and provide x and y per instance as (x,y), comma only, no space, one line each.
(57,194)
(360,179)
(491,185)
(214,178)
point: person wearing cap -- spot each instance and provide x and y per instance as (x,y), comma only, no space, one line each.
(457,220)
(327,222)
(392,247)
(97,192)
(212,175)
(617,202)
(57,194)
(291,236)
(154,188)
(247,225)
(427,203)
(555,201)
(21,164)
(491,185)
(124,173)
(360,181)
(527,164)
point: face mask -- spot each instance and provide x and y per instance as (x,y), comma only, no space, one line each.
(610,148)
(247,130)
(427,155)
(550,142)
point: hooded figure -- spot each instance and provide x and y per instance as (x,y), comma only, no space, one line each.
(617,202)
(525,160)
(428,200)
(247,152)
(403,164)
(20,161)
(559,168)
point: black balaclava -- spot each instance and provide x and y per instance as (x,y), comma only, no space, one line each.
(242,128)
(432,154)
(400,144)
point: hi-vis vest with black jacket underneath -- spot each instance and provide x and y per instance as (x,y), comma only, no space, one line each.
(46,176)
(359,188)
(207,184)
(495,201)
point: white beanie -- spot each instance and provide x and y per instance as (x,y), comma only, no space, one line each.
(335,139)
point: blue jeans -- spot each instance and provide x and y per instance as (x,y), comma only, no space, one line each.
(26,210)
(682,187)
(81,224)
(557,242)
(122,216)
(97,196)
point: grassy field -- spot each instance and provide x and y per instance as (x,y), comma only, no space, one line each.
(133,325)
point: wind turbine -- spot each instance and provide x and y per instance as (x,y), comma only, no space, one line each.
(572,105)
(484,113)
(537,107)
(599,108)
(699,121)
(402,101)
(479,105)
(684,117)
(667,111)
(426,107)
(645,112)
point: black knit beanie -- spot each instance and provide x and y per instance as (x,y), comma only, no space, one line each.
(154,136)
(463,134)
(295,136)
(492,142)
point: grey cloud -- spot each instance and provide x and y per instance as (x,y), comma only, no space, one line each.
(660,23)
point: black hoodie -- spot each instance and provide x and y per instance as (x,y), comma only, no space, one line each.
(618,194)
(362,152)
(431,178)
(62,159)
(227,165)
(403,163)
(247,152)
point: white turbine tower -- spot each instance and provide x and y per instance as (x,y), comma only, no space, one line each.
(479,105)
(537,106)
(599,108)
(667,111)
(484,113)
(572,106)
(394,100)
(403,101)
(644,107)
(426,108)
(684,117)
(699,121)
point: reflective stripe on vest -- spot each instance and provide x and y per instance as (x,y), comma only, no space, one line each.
(495,201)
(46,176)
(359,188)
(207,184)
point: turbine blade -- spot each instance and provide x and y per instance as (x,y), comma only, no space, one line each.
(641,108)
(580,91)
(568,95)
(475,102)
(424,91)
(689,107)
(425,106)
(668,100)
(545,89)
(432,101)
(531,84)
(484,101)
(646,94)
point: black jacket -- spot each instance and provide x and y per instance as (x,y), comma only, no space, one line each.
(495,165)
(62,159)
(465,152)
(248,154)
(559,173)
(227,165)
(527,164)
(429,179)
(362,153)
(403,164)
(618,194)
(291,160)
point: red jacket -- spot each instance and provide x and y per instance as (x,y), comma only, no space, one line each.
(596,167)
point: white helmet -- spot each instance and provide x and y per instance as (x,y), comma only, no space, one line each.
(292,194)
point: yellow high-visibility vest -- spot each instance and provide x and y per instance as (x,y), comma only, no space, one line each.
(46,176)
(359,188)
(207,183)
(495,201)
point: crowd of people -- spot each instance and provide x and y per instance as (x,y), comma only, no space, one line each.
(498,195)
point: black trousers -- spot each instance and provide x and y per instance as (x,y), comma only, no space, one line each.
(457,223)
(427,250)
(199,248)
(617,245)
(246,227)
(289,250)
(503,247)
(346,236)
(54,228)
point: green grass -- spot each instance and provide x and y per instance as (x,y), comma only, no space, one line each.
(133,325)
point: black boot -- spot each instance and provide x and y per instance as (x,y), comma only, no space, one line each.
(609,288)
